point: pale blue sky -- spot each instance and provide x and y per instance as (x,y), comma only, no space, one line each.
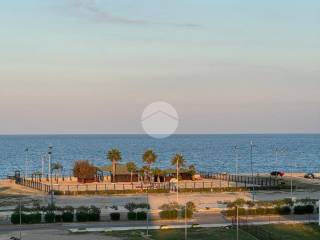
(226,66)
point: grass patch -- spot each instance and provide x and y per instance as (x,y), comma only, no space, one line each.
(294,231)
(194,234)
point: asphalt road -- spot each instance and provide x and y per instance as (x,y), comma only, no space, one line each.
(204,218)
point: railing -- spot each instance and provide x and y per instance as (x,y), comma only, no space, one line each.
(212,182)
(255,180)
(33,184)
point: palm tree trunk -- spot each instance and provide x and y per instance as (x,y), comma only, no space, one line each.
(113,170)
(177,171)
(131,176)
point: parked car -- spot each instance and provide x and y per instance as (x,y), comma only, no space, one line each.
(309,175)
(277,174)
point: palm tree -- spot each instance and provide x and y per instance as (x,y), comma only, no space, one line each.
(149,157)
(145,170)
(157,172)
(178,160)
(131,167)
(56,167)
(114,155)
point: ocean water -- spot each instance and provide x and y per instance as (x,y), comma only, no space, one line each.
(216,153)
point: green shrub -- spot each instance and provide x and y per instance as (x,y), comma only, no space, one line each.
(169,214)
(309,209)
(141,216)
(170,206)
(94,214)
(49,217)
(115,216)
(241,211)
(306,209)
(35,218)
(285,210)
(143,205)
(251,211)
(131,206)
(15,218)
(25,218)
(67,216)
(260,211)
(68,209)
(58,218)
(189,212)
(132,216)
(299,210)
(82,216)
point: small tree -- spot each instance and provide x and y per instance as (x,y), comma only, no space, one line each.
(179,161)
(192,170)
(114,155)
(57,168)
(84,170)
(131,167)
(149,157)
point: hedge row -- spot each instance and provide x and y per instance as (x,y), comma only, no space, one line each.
(85,214)
(26,218)
(174,214)
(169,214)
(111,192)
(137,216)
(285,210)
(115,216)
(49,217)
(303,209)
(37,208)
(132,206)
(182,190)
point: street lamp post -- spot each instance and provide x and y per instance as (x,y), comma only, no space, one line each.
(236,148)
(237,223)
(50,174)
(177,187)
(20,219)
(185,222)
(251,163)
(42,165)
(26,163)
(319,211)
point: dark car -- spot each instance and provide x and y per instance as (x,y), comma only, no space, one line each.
(309,175)
(277,174)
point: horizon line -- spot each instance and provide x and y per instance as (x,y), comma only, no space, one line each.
(144,134)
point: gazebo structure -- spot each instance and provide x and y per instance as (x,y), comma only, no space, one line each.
(122,174)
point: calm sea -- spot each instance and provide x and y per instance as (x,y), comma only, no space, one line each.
(216,153)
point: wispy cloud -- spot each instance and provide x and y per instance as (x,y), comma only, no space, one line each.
(90,8)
